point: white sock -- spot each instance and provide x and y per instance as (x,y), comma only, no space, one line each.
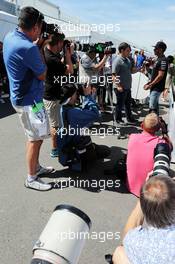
(31,178)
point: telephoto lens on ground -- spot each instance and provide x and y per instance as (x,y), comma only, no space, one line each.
(63,237)
(162,157)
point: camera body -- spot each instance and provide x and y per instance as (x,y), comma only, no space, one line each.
(101,48)
(163,126)
(50,29)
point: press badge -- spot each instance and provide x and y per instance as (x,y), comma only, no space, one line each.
(39,111)
(38,118)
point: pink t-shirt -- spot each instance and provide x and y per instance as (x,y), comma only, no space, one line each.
(140,159)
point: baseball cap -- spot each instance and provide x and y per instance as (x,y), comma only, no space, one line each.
(160,45)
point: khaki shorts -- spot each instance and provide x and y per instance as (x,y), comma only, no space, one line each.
(53,111)
(33,132)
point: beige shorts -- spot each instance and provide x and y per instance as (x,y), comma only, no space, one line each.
(53,111)
(34,132)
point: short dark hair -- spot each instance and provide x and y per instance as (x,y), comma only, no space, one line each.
(123,46)
(29,17)
(157,199)
(170,59)
(55,38)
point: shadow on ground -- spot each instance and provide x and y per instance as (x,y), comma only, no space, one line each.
(6,109)
(94,179)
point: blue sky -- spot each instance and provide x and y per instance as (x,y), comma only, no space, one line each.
(142,22)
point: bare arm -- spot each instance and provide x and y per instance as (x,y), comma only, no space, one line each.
(158,78)
(100,65)
(116,81)
(68,61)
(135,219)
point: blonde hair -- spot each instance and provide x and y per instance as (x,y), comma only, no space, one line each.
(151,123)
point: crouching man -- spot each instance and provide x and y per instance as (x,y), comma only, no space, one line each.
(75,147)
(155,242)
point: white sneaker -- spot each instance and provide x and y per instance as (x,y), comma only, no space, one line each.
(38,185)
(43,170)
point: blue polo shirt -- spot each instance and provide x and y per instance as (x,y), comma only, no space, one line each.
(23,63)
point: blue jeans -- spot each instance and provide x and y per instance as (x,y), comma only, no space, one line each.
(154,101)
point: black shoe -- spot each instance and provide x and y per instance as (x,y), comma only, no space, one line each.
(120,121)
(131,120)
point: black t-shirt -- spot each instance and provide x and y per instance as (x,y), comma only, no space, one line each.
(160,64)
(55,69)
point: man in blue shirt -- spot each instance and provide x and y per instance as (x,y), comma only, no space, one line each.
(140,59)
(26,72)
(155,242)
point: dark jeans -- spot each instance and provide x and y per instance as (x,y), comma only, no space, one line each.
(123,100)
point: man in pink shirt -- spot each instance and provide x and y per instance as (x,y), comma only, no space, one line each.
(140,157)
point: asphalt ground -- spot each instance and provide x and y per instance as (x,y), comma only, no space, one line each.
(25,212)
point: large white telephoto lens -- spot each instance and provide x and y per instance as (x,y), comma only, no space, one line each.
(63,237)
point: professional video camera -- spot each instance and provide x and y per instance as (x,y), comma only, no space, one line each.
(48,29)
(104,48)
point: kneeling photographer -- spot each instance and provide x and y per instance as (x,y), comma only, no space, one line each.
(56,68)
(75,147)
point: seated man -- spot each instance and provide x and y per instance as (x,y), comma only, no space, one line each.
(154,243)
(75,148)
(140,157)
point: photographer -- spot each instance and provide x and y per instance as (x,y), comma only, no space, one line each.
(56,68)
(158,77)
(74,145)
(140,154)
(27,72)
(89,68)
(155,242)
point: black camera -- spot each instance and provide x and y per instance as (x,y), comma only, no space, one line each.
(67,43)
(108,258)
(103,48)
(81,86)
(50,29)
(162,157)
(163,126)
